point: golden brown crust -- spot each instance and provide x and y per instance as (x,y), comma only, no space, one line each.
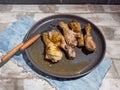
(75,26)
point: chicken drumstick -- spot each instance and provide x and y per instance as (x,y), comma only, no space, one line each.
(53,53)
(76,27)
(70,36)
(58,39)
(90,45)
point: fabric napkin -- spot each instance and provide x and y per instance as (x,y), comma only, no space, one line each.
(15,33)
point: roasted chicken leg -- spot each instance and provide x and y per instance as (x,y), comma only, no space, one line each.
(58,39)
(90,45)
(53,53)
(76,27)
(70,36)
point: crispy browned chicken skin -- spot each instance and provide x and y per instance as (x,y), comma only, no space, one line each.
(53,53)
(58,39)
(69,35)
(90,45)
(76,27)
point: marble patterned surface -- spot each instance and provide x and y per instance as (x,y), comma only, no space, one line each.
(106,17)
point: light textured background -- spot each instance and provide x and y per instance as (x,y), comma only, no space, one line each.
(107,17)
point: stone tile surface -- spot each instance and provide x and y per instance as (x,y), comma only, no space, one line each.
(36,84)
(14,77)
(5,8)
(25,8)
(72,9)
(48,8)
(14,70)
(117,65)
(39,16)
(114,8)
(116,17)
(106,8)
(7,17)
(112,73)
(6,84)
(96,8)
(111,8)
(111,32)
(113,48)
(106,17)
(110,84)
(101,19)
(22,13)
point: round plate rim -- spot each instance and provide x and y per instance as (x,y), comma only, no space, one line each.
(64,76)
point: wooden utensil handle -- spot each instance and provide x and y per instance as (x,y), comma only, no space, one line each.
(30,41)
(11,52)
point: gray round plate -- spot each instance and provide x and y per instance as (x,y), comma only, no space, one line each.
(80,66)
